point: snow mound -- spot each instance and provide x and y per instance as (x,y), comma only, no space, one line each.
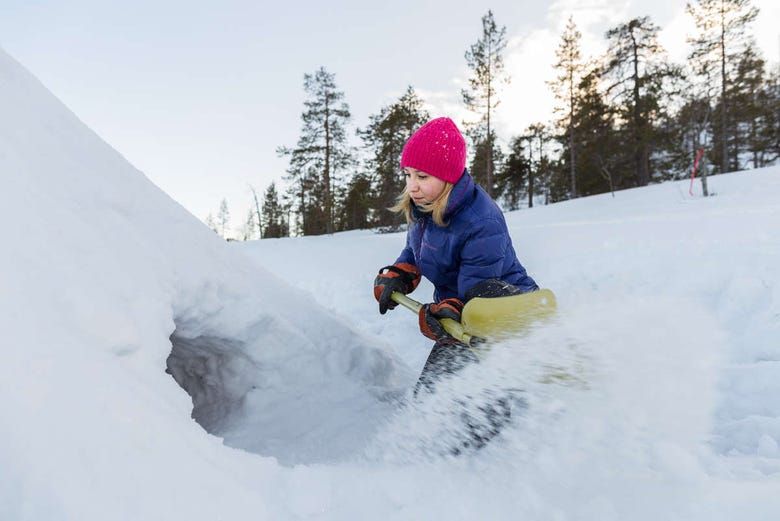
(108,283)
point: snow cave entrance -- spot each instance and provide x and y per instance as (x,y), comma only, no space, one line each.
(213,371)
(284,408)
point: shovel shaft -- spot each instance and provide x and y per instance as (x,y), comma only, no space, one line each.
(450,326)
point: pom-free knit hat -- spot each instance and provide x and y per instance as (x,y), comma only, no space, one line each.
(438,149)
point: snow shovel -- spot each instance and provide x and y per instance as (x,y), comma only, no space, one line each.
(494,318)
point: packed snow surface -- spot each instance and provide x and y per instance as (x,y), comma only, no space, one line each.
(653,394)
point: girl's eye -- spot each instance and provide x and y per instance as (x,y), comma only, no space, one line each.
(422,177)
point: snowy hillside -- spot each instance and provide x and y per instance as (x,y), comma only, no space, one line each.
(113,298)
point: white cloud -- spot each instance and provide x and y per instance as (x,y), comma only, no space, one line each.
(591,16)
(446,103)
(674,33)
(766,29)
(528,98)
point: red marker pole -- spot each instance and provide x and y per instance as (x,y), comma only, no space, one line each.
(696,160)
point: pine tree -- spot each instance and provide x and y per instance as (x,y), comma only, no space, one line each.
(636,68)
(322,151)
(748,102)
(384,139)
(570,68)
(256,207)
(720,39)
(599,162)
(249,228)
(357,204)
(538,136)
(689,129)
(273,220)
(487,158)
(772,113)
(223,219)
(511,179)
(212,223)
(485,59)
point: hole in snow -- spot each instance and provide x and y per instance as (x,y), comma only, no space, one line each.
(214,373)
(277,397)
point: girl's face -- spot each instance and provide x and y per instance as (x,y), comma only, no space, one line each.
(422,188)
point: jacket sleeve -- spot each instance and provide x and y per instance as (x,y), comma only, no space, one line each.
(482,255)
(407,255)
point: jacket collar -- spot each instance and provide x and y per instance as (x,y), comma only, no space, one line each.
(462,194)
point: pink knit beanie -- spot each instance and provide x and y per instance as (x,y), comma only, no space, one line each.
(438,149)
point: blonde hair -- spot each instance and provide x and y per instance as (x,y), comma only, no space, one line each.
(404,205)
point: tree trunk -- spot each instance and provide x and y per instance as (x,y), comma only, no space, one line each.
(489,166)
(724,162)
(753,139)
(489,157)
(703,166)
(530,174)
(571,134)
(257,213)
(302,231)
(640,168)
(547,189)
(326,176)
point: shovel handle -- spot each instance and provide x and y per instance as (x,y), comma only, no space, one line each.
(452,327)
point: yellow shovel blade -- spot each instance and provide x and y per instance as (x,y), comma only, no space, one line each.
(500,317)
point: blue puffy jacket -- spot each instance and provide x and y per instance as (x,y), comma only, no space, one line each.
(473,247)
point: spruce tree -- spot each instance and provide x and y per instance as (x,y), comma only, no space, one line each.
(487,158)
(599,162)
(486,61)
(511,179)
(356,207)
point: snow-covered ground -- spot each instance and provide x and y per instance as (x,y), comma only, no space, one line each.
(667,332)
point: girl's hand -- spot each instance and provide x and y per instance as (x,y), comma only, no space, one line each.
(430,314)
(401,277)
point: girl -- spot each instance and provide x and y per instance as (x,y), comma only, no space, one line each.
(457,239)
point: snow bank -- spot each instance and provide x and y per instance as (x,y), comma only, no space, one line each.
(101,270)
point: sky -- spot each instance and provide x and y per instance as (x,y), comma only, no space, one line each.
(199,95)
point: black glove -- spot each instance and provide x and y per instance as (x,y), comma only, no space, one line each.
(492,288)
(430,314)
(401,277)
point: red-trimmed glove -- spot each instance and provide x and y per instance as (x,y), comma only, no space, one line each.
(430,314)
(402,277)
